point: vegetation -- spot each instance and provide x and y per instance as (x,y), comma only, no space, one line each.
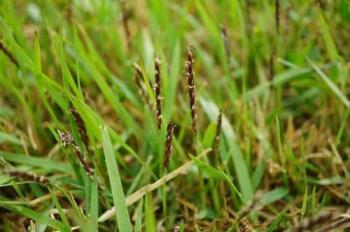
(192,115)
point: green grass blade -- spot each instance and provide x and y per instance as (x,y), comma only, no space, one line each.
(244,181)
(330,84)
(35,161)
(139,215)
(122,214)
(40,217)
(149,214)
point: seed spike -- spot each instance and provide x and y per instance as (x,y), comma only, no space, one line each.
(81,127)
(277,16)
(67,139)
(218,131)
(191,88)
(157,89)
(168,143)
(25,176)
(83,161)
(139,79)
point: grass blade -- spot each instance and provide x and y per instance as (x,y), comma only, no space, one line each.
(123,218)
(330,84)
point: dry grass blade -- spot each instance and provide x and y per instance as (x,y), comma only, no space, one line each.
(126,15)
(244,227)
(339,224)
(313,223)
(150,187)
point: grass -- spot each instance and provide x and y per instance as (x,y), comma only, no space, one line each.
(174,115)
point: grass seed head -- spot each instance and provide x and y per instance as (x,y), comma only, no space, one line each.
(168,143)
(218,131)
(191,87)
(67,139)
(25,176)
(83,161)
(157,89)
(277,15)
(139,78)
(81,127)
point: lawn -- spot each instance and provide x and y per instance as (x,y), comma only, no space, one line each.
(184,115)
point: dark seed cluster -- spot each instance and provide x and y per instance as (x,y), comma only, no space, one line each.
(244,228)
(25,176)
(157,90)
(277,15)
(67,139)
(139,78)
(218,131)
(168,143)
(191,88)
(81,127)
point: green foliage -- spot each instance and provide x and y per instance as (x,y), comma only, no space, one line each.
(284,99)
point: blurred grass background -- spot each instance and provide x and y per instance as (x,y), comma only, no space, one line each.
(278,70)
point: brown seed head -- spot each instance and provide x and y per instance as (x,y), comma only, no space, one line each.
(277,15)
(25,176)
(191,88)
(218,131)
(168,143)
(157,89)
(83,161)
(139,79)
(67,139)
(81,127)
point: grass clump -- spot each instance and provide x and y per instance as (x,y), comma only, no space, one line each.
(96,134)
